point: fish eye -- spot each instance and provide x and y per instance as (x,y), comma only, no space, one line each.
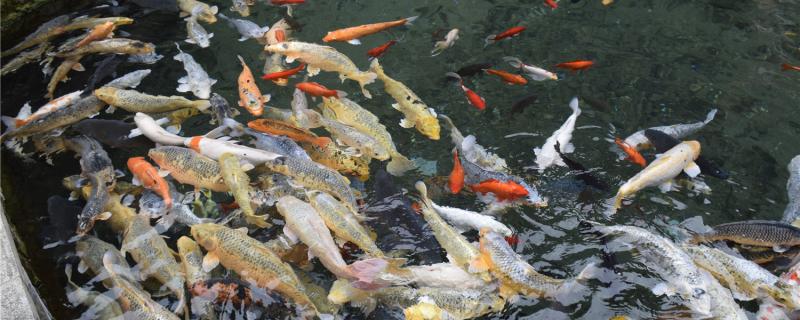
(697,292)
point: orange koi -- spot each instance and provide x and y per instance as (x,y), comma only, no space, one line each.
(511,32)
(250,97)
(503,191)
(351,34)
(576,65)
(508,77)
(551,3)
(281,128)
(787,67)
(145,174)
(99,32)
(474,99)
(456,179)
(633,154)
(283,74)
(318,90)
(378,51)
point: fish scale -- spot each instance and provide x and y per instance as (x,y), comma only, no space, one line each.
(315,176)
(514,272)
(189,167)
(97,167)
(754,233)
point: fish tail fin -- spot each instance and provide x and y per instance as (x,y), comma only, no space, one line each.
(410,20)
(513,61)
(613,204)
(489,40)
(364,79)
(455,76)
(785,66)
(375,66)
(399,165)
(366,271)
(181,307)
(573,104)
(241,60)
(10,122)
(710,116)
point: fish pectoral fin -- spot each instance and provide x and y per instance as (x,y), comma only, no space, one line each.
(666,186)
(103,216)
(663,289)
(289,234)
(184,79)
(82,267)
(312,71)
(780,248)
(78,67)
(354,42)
(405,123)
(210,261)
(135,181)
(190,41)
(265,98)
(246,166)
(184,87)
(692,169)
(396,106)
(290,59)
(507,292)
(479,264)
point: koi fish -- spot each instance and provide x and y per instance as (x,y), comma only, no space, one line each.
(146,175)
(456,178)
(99,32)
(633,155)
(508,77)
(283,74)
(449,41)
(250,96)
(473,98)
(473,69)
(318,90)
(787,67)
(640,141)
(546,155)
(378,51)
(508,190)
(205,12)
(351,35)
(551,3)
(510,32)
(576,65)
(417,113)
(25,116)
(536,73)
(281,128)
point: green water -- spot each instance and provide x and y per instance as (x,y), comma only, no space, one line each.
(656,63)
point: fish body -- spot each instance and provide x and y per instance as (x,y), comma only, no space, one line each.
(417,113)
(352,34)
(318,57)
(205,12)
(279,32)
(674,265)
(134,101)
(378,51)
(318,90)
(239,6)
(461,252)
(24,58)
(347,135)
(103,69)
(576,65)
(146,175)
(633,155)
(152,129)
(552,4)
(639,141)
(96,166)
(153,256)
(196,80)
(91,249)
(250,97)
(350,113)
(449,40)
(515,274)
(109,46)
(278,145)
(469,220)
(456,178)
(469,148)
(474,99)
(25,116)
(663,142)
(283,74)
(546,156)
(99,32)
(249,258)
(189,167)
(146,58)
(502,190)
(196,34)
(508,33)
(246,28)
(60,74)
(473,69)
(462,304)
(583,174)
(502,185)
(788,67)
(343,222)
(281,128)
(100,306)
(336,158)
(193,273)
(304,222)
(534,72)
(761,233)
(215,148)
(508,77)
(439,275)
(61,25)
(661,171)
(723,305)
(315,176)
(239,184)
(134,301)
(746,279)
(792,212)
(426,311)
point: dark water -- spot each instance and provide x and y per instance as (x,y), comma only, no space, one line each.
(656,63)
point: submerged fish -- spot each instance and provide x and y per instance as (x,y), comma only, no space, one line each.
(661,171)
(508,33)
(746,279)
(189,167)
(473,69)
(583,174)
(762,233)
(24,58)
(449,40)
(205,12)
(146,175)
(60,74)
(723,305)
(60,25)
(239,184)
(439,275)
(103,69)
(96,166)
(134,101)
(469,148)
(197,80)
(110,46)
(282,128)
(350,113)
(681,275)
(417,113)
(343,222)
(318,57)
(663,142)
(352,34)
(251,259)
(90,250)
(239,6)
(196,34)
(314,176)
(193,273)
(134,301)
(639,141)
(546,156)
(277,144)
(364,144)
(462,304)
(246,28)
(99,306)
(464,220)
(534,72)
(336,158)
(463,253)
(792,212)
(25,116)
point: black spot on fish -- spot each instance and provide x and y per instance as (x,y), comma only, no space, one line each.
(285,46)
(408,97)
(138,44)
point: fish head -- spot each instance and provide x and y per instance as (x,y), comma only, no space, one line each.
(157,154)
(516,190)
(785,294)
(694,146)
(429,126)
(105,93)
(697,299)
(342,291)
(84,225)
(206,235)
(202,91)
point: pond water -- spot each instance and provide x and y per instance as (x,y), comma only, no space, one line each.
(656,63)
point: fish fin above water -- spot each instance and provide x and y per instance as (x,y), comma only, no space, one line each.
(184,79)
(666,186)
(354,42)
(692,169)
(210,261)
(663,288)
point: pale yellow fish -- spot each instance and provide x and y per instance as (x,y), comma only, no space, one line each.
(134,101)
(365,144)
(206,13)
(135,302)
(319,57)
(343,222)
(192,262)
(334,157)
(239,184)
(417,113)
(313,175)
